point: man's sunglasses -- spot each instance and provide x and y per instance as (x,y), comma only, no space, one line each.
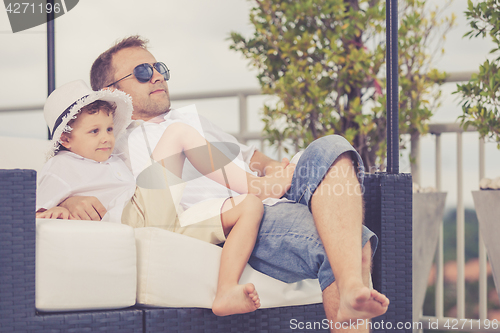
(144,72)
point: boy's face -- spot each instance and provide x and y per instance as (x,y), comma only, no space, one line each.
(92,136)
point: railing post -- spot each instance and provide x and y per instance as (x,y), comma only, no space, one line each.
(415,158)
(242,99)
(483,277)
(439,297)
(460,232)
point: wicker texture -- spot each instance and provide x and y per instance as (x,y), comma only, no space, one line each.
(204,321)
(388,214)
(17,270)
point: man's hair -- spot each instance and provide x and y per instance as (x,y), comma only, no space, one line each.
(102,71)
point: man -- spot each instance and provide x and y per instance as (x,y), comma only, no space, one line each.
(319,235)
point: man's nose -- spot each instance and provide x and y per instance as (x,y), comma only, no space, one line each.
(156,76)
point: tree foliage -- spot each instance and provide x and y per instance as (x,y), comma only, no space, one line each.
(481,95)
(325,61)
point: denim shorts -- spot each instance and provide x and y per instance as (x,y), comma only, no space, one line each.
(288,247)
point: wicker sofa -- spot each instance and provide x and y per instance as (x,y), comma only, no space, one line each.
(388,213)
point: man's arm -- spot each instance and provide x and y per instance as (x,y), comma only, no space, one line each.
(84,208)
(53,213)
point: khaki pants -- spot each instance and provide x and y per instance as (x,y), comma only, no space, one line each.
(155,208)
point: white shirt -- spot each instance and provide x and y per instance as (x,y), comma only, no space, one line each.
(137,144)
(136,151)
(68,174)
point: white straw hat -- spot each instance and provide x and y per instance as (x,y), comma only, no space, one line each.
(65,102)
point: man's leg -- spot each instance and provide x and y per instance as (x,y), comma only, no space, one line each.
(337,208)
(289,249)
(288,246)
(331,298)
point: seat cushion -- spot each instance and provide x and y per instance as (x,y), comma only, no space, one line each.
(179,271)
(84,265)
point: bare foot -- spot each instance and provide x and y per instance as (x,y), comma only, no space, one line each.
(237,299)
(361,303)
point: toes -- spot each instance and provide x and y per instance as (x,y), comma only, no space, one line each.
(250,288)
(381,298)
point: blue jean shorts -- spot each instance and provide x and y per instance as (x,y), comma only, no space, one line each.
(288,246)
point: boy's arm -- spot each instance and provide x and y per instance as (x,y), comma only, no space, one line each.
(84,208)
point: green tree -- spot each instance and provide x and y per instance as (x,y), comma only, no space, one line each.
(481,95)
(324,60)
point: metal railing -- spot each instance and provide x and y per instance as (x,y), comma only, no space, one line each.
(243,135)
(439,320)
(472,324)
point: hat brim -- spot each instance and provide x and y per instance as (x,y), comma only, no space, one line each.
(121,119)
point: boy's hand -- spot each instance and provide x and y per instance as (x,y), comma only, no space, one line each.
(276,167)
(84,208)
(276,183)
(54,213)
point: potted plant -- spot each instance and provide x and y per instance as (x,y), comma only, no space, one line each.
(480,107)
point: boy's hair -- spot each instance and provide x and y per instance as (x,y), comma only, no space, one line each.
(95,107)
(101,73)
(92,108)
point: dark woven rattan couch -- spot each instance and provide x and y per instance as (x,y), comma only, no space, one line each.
(388,213)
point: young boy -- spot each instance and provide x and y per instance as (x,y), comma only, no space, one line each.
(81,163)
(83,125)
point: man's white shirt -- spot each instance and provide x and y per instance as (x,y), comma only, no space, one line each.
(136,146)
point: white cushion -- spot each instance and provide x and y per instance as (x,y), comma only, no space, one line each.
(179,271)
(84,265)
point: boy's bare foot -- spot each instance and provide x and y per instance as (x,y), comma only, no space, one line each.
(237,299)
(361,303)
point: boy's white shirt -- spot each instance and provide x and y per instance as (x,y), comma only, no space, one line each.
(68,174)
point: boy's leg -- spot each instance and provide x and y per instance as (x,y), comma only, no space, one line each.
(241,224)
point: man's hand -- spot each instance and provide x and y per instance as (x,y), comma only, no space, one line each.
(54,213)
(84,208)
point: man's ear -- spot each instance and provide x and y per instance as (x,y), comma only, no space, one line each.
(65,140)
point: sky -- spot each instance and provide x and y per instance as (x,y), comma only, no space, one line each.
(190,36)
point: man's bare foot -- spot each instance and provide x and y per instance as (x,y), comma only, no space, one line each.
(361,303)
(237,299)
